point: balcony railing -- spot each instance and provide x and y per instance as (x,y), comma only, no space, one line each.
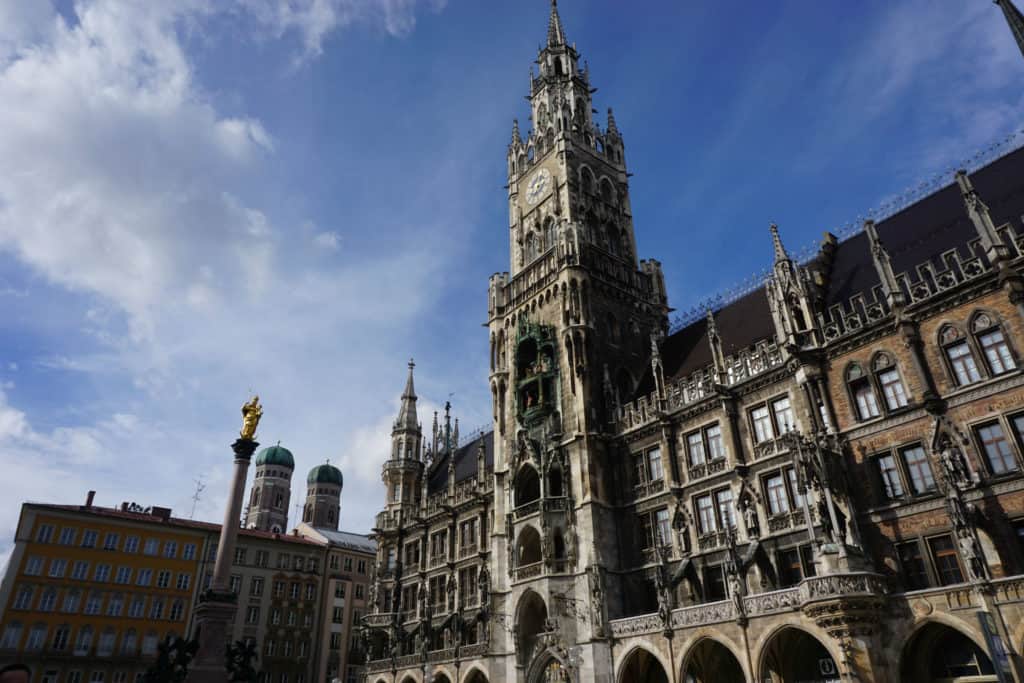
(468,550)
(527,509)
(529,571)
(789,599)
(648,488)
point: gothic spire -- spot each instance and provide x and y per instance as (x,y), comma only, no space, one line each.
(780,251)
(407,413)
(1015,19)
(612,128)
(517,138)
(556,36)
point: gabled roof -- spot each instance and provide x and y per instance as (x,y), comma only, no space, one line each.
(465,463)
(348,540)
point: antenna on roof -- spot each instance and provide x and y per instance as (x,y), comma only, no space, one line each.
(200,486)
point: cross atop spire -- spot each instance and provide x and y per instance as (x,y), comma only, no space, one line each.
(1015,19)
(556,35)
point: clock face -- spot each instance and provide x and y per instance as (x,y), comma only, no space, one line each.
(538,186)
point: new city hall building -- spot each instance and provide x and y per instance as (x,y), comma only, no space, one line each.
(818,481)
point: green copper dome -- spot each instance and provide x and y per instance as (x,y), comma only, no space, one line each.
(325,474)
(276,455)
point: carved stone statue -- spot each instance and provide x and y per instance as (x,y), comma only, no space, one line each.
(749,512)
(251,414)
(954,466)
(736,593)
(483,584)
(570,544)
(971,555)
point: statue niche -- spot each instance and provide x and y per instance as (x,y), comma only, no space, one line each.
(536,372)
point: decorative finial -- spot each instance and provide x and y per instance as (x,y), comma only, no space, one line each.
(251,414)
(412,363)
(780,251)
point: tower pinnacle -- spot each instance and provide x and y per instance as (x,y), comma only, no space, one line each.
(407,413)
(556,35)
(1015,19)
(780,251)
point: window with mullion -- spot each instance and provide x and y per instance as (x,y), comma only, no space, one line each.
(782,412)
(762,420)
(961,360)
(889,473)
(778,503)
(997,351)
(919,469)
(713,437)
(864,395)
(892,389)
(998,451)
(654,468)
(947,564)
(912,567)
(726,510)
(706,514)
(695,449)
(794,488)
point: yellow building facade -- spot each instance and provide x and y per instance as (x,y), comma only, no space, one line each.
(90,592)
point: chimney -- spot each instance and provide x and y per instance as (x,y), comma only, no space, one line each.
(89,498)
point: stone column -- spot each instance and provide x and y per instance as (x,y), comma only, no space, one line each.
(217,605)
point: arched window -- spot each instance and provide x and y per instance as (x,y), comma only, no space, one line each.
(888,377)
(862,392)
(607,191)
(555,488)
(587,180)
(992,342)
(531,247)
(549,233)
(614,240)
(959,355)
(527,486)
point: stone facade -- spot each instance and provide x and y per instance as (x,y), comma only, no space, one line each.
(818,481)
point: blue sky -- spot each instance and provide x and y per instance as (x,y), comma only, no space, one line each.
(199,199)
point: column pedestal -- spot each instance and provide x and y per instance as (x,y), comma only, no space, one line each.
(215,613)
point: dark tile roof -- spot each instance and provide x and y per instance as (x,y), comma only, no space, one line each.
(925,230)
(740,324)
(465,463)
(918,234)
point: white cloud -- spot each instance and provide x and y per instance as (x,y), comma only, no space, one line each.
(122,182)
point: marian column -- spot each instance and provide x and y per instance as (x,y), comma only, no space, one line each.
(217,605)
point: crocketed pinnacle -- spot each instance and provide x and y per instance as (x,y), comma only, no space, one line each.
(780,251)
(1015,19)
(556,36)
(407,413)
(612,128)
(517,138)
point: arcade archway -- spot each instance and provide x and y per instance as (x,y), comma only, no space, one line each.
(795,656)
(711,662)
(938,653)
(642,667)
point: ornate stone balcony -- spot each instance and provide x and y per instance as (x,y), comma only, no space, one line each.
(529,571)
(556,504)
(649,488)
(379,619)
(441,655)
(469,651)
(811,590)
(527,509)
(787,520)
(468,550)
(378,665)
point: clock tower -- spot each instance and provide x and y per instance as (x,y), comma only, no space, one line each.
(571,326)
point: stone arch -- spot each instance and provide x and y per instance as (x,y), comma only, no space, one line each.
(587,179)
(793,653)
(475,675)
(607,190)
(527,485)
(410,678)
(531,618)
(640,664)
(940,649)
(556,481)
(441,676)
(709,660)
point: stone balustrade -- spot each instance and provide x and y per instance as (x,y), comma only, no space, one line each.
(529,571)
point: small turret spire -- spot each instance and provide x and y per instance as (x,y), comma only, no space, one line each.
(612,128)
(1015,19)
(780,251)
(407,413)
(517,138)
(556,36)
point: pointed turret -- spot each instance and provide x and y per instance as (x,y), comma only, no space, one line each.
(977,210)
(717,354)
(517,138)
(780,251)
(1015,19)
(612,129)
(883,265)
(407,413)
(556,35)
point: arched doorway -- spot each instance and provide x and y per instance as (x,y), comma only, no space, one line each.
(939,653)
(711,662)
(531,617)
(440,677)
(476,676)
(528,547)
(642,667)
(795,656)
